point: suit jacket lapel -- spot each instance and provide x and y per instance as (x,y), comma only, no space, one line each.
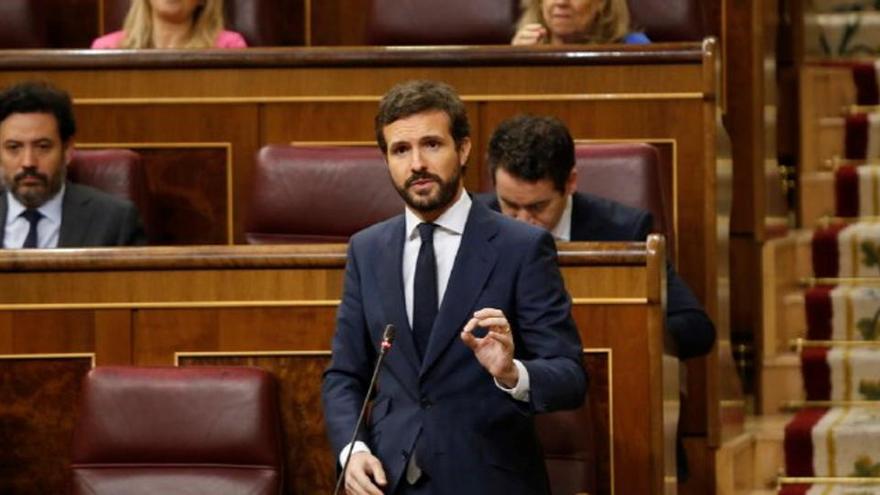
(582,218)
(75,217)
(474,262)
(390,274)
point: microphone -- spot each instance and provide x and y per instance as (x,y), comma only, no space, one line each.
(384,347)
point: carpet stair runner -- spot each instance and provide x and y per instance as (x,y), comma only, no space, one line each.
(837,434)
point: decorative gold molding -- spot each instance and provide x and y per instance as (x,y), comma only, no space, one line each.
(610,356)
(794,405)
(799,344)
(334,143)
(814,281)
(230,223)
(241,100)
(318,303)
(827,480)
(586,301)
(61,355)
(189,354)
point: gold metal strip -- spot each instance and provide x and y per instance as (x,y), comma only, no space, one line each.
(241,100)
(168,305)
(794,405)
(580,301)
(850,313)
(813,281)
(875,185)
(832,444)
(230,207)
(334,143)
(797,344)
(822,480)
(854,252)
(62,355)
(847,374)
(192,354)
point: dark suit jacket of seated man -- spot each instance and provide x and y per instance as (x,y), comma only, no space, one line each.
(91,218)
(532,162)
(447,417)
(594,218)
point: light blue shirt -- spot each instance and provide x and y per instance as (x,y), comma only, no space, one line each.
(48,228)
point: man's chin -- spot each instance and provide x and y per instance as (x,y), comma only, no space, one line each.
(31,196)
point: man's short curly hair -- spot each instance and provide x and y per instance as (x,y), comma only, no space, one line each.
(533,148)
(40,97)
(412,97)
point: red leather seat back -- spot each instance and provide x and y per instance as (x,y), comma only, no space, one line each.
(671,20)
(318,194)
(629,173)
(118,172)
(158,430)
(441,22)
(23,24)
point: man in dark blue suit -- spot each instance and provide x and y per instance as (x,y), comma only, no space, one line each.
(485,337)
(532,163)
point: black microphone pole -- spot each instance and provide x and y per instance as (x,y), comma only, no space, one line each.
(387,339)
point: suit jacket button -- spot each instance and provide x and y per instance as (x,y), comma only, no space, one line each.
(425,403)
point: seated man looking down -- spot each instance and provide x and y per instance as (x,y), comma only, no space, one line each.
(39,208)
(532,164)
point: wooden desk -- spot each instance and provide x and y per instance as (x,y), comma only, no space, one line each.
(61,311)
(199,118)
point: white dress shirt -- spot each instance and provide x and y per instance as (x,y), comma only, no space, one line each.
(48,228)
(562,231)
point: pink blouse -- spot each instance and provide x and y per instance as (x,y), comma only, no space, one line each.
(226,39)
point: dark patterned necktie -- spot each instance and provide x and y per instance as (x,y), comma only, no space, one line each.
(33,217)
(425,289)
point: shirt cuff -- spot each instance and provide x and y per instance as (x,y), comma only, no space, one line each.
(358,447)
(520,391)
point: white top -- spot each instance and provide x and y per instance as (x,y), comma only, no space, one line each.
(48,228)
(562,231)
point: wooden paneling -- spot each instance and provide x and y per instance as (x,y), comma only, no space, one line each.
(142,306)
(38,407)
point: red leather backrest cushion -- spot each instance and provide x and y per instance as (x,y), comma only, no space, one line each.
(197,415)
(671,20)
(629,173)
(23,24)
(318,194)
(118,172)
(441,22)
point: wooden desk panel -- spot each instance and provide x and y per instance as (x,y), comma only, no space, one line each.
(143,306)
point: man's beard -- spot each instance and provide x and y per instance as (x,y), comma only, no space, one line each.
(438,199)
(32,197)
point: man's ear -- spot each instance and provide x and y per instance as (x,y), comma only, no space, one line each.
(572,181)
(68,152)
(464,151)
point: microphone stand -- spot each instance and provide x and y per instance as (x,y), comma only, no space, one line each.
(387,339)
